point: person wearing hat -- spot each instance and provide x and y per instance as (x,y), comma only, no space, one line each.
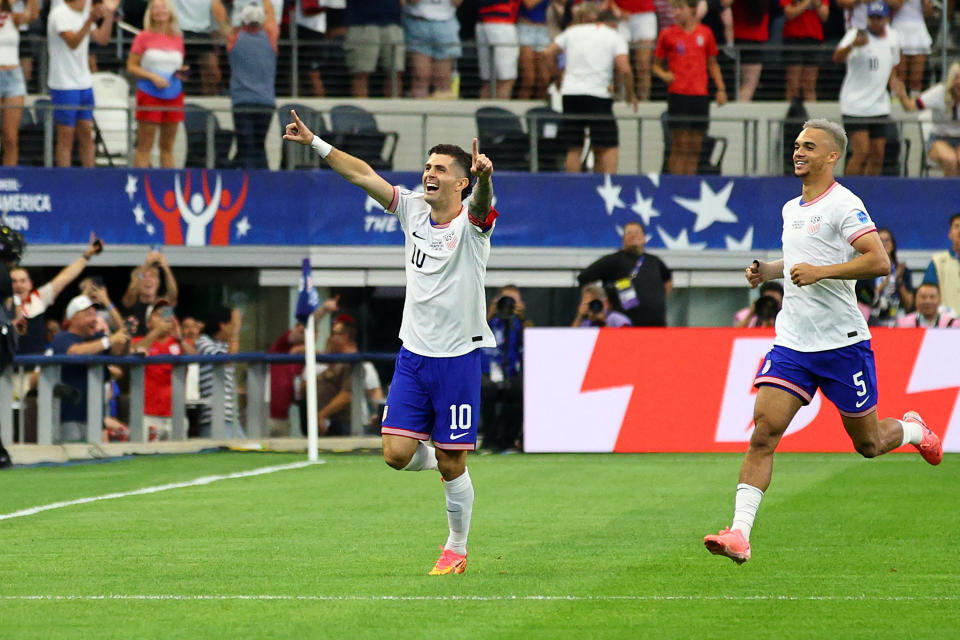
(871,56)
(81,338)
(253,67)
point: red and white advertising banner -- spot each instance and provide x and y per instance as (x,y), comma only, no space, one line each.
(687,390)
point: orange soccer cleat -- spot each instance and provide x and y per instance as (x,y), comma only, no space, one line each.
(729,543)
(930,448)
(449,562)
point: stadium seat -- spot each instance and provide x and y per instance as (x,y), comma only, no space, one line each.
(196,120)
(111,120)
(551,150)
(503,139)
(896,154)
(355,131)
(295,156)
(706,165)
(31,134)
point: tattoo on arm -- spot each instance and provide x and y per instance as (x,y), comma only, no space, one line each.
(482,198)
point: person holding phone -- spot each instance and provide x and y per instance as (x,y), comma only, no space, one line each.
(143,292)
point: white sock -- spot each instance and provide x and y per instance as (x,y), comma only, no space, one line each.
(423,458)
(745,509)
(459,509)
(912,432)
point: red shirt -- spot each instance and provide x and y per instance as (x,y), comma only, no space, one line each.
(636,6)
(499,11)
(805,25)
(750,24)
(157,388)
(686,55)
(281,379)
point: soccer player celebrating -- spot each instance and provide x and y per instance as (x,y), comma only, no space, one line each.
(435,392)
(822,340)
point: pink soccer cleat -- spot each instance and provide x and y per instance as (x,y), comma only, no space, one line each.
(930,448)
(449,562)
(729,543)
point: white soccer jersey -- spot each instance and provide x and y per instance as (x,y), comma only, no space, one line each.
(864,90)
(946,121)
(444,314)
(823,315)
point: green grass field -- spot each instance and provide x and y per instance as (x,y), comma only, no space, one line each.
(562,546)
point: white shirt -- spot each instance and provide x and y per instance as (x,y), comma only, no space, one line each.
(589,51)
(945,122)
(856,18)
(9,41)
(37,301)
(439,10)
(316,22)
(864,89)
(69,68)
(444,313)
(194,15)
(910,12)
(823,315)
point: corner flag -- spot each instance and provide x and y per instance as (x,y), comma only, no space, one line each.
(308,300)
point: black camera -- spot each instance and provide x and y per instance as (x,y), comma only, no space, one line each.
(505,307)
(595,306)
(766,308)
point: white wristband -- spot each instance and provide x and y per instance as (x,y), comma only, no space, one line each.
(105,341)
(321,146)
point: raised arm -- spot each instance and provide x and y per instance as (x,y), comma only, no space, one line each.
(70,272)
(482,198)
(355,170)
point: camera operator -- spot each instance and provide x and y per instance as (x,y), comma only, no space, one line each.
(594,310)
(763,312)
(144,290)
(11,248)
(501,391)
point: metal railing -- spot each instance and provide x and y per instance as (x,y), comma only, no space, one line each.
(257,410)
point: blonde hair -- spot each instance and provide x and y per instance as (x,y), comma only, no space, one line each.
(834,130)
(174,23)
(953,77)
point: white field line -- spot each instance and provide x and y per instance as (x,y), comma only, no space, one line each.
(157,489)
(501,598)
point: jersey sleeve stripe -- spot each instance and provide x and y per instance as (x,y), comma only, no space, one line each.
(407,433)
(858,414)
(786,384)
(862,232)
(487,222)
(396,200)
(448,446)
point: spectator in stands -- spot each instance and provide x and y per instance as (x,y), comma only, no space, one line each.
(203,22)
(221,336)
(594,310)
(156,60)
(638,282)
(871,56)
(144,290)
(190,329)
(253,71)
(311,20)
(891,295)
(690,51)
(501,402)
(162,339)
(283,387)
(944,268)
(854,13)
(432,35)
(334,381)
(718,16)
(803,27)
(81,338)
(638,25)
(70,27)
(751,29)
(928,313)
(374,34)
(33,303)
(533,35)
(909,21)
(763,312)
(13,88)
(596,55)
(943,101)
(497,47)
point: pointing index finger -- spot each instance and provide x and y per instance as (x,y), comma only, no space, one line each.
(476,148)
(296,118)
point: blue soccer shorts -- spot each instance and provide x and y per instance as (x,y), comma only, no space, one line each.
(72,98)
(435,397)
(847,376)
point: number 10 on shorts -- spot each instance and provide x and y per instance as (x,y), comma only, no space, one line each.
(461,416)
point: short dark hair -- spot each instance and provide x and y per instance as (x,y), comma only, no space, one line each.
(349,326)
(771,285)
(460,157)
(954,217)
(636,222)
(219,315)
(929,284)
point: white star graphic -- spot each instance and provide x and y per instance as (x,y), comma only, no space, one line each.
(644,208)
(655,179)
(139,214)
(150,229)
(680,242)
(610,194)
(710,207)
(741,245)
(243,226)
(131,187)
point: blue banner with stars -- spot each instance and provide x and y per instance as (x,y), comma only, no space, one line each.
(216,208)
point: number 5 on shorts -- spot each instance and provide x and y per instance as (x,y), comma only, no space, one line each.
(860,384)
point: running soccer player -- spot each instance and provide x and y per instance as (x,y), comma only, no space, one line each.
(822,340)
(435,392)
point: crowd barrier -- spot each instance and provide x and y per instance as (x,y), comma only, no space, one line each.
(691,390)
(257,407)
